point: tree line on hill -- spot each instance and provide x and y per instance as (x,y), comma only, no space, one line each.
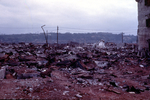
(68,37)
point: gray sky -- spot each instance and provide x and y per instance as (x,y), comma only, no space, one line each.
(27,16)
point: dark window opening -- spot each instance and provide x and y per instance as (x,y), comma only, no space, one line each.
(148,44)
(147,2)
(148,23)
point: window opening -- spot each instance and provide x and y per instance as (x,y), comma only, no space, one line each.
(148,23)
(147,2)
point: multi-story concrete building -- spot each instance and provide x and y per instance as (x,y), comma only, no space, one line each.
(143,25)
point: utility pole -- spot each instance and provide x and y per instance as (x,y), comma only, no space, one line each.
(122,36)
(57,34)
(46,36)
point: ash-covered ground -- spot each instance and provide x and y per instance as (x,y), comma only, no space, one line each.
(73,71)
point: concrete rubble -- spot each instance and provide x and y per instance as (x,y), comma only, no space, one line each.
(73,71)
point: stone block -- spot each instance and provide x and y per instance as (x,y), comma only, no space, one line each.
(2,72)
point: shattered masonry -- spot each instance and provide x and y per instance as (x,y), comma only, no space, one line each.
(73,71)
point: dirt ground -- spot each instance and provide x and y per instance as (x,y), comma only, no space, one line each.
(61,88)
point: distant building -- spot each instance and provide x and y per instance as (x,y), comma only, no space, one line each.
(143,24)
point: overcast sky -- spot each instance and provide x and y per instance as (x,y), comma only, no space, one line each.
(27,16)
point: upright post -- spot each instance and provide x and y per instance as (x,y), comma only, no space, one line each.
(57,34)
(122,37)
(47,35)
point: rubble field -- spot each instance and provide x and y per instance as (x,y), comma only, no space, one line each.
(73,71)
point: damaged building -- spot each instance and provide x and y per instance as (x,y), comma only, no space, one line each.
(143,25)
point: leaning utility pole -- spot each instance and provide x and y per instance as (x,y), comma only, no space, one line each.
(57,34)
(46,36)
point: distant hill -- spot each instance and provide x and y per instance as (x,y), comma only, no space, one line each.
(68,37)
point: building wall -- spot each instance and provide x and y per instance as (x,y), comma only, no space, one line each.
(143,29)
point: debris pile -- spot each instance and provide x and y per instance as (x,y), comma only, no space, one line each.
(73,71)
